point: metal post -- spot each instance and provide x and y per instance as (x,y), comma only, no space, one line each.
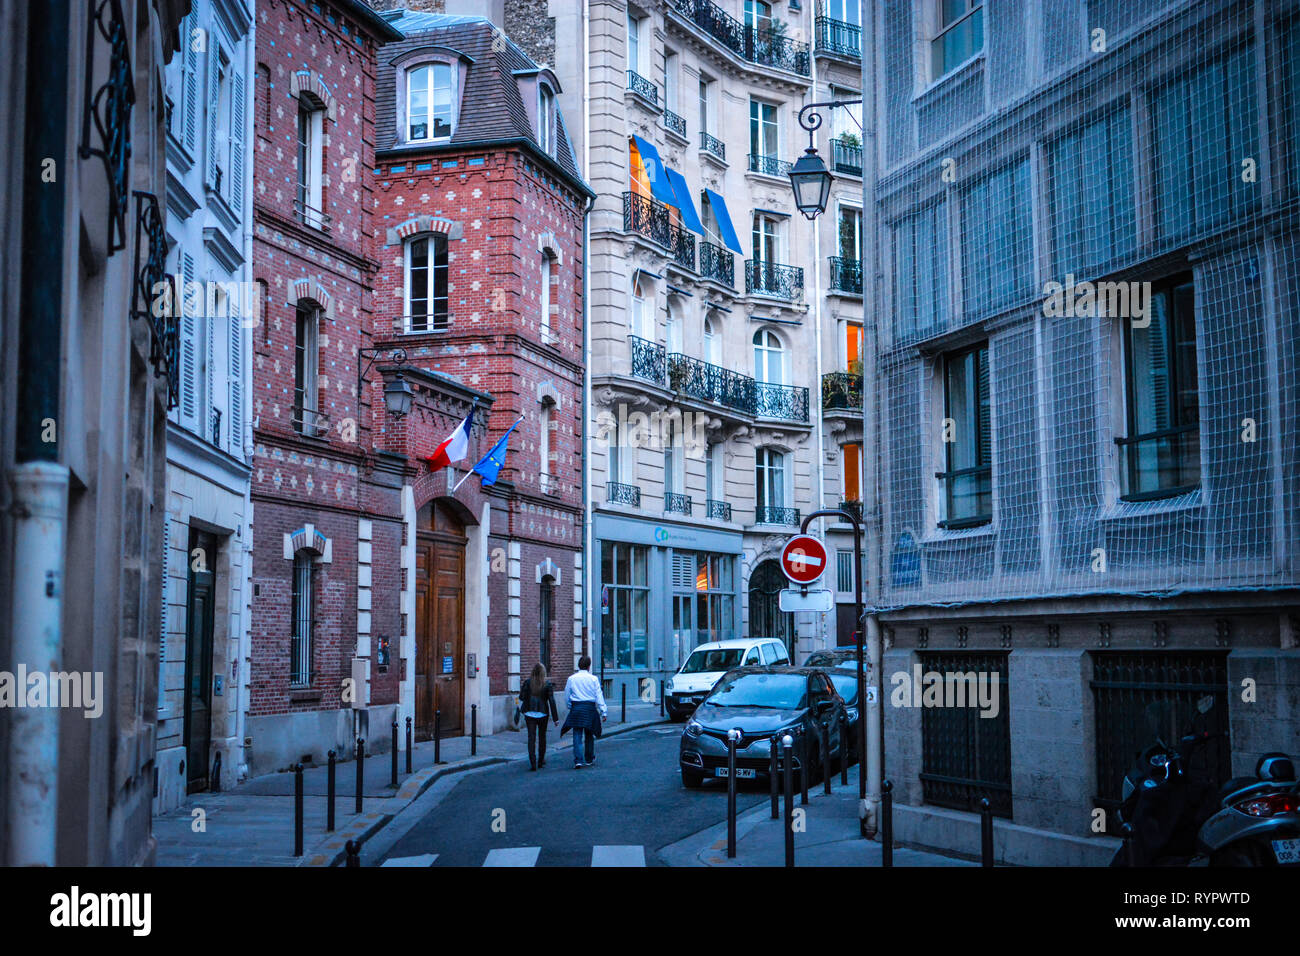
(786,748)
(216,773)
(394,754)
(353,850)
(844,750)
(772,771)
(624,686)
(473,730)
(986,832)
(661,698)
(361,770)
(408,745)
(887,824)
(803,766)
(329,809)
(437,736)
(824,728)
(297,809)
(733,735)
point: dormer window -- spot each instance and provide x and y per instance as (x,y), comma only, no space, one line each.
(546,120)
(429,102)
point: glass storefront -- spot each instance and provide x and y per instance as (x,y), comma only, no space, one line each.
(625,614)
(704,602)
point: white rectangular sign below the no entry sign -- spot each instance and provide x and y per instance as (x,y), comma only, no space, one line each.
(796,599)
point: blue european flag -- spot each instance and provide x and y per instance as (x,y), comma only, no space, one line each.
(491,464)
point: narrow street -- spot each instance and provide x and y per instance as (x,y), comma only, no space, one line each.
(620,812)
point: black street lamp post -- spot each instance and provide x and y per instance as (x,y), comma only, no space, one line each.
(397,393)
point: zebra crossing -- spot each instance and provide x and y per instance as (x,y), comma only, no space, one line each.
(603,856)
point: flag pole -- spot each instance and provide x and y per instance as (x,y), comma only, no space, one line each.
(462,481)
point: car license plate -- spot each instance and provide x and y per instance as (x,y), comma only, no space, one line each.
(1287,851)
(742,773)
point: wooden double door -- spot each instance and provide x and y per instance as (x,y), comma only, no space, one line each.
(439,622)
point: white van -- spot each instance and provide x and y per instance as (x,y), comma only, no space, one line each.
(708,662)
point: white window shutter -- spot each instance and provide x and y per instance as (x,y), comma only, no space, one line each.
(162,624)
(189,347)
(214,90)
(236,377)
(190,90)
(237,141)
(209,363)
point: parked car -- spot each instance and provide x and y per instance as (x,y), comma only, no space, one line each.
(706,664)
(760,702)
(842,666)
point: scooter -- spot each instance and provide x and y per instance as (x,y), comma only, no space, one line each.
(1259,820)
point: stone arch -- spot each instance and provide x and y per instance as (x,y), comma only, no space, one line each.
(418,224)
(311,289)
(310,84)
(548,568)
(309,539)
(547,243)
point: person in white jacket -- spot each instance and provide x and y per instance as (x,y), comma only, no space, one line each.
(586,712)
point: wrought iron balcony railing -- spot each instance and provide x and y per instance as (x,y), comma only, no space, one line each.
(773,278)
(647,217)
(622,494)
(648,361)
(838,38)
(768,47)
(676,504)
(310,422)
(846,275)
(108,110)
(711,144)
(675,123)
(151,269)
(682,243)
(216,426)
(422,324)
(710,383)
(642,87)
(852,507)
(846,157)
(842,390)
(718,264)
(718,510)
(768,165)
(786,402)
(766,514)
(311,216)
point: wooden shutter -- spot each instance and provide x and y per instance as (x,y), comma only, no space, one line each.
(189,347)
(190,87)
(236,140)
(214,89)
(235,374)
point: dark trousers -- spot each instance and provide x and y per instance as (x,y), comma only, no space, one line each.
(536,739)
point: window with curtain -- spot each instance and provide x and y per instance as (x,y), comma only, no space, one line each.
(641,324)
(1090,171)
(769,358)
(769,478)
(996,240)
(967,436)
(633,43)
(426,283)
(704,105)
(763,137)
(1161,452)
(303,619)
(625,619)
(429,102)
(920,251)
(764,241)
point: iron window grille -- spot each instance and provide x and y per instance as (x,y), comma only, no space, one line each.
(675,123)
(620,493)
(642,87)
(648,360)
(108,110)
(682,243)
(846,275)
(846,157)
(216,426)
(675,503)
(718,510)
(711,383)
(774,279)
(786,402)
(768,165)
(150,272)
(711,144)
(767,46)
(767,514)
(718,264)
(965,756)
(647,217)
(854,508)
(838,38)
(304,621)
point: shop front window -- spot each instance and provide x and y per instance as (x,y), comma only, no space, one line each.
(625,616)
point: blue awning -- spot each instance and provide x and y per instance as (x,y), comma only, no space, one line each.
(660,187)
(685,204)
(719,206)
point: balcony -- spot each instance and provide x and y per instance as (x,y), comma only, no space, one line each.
(718,264)
(765,514)
(774,279)
(682,244)
(842,390)
(648,361)
(852,507)
(676,504)
(713,145)
(846,157)
(310,215)
(309,422)
(837,38)
(642,87)
(674,123)
(647,217)
(424,324)
(768,165)
(710,383)
(619,493)
(786,402)
(717,510)
(765,47)
(846,275)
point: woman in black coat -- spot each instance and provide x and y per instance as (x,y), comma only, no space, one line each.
(536,698)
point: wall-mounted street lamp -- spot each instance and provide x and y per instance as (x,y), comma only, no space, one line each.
(397,393)
(809,177)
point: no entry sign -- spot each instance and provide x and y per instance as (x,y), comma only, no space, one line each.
(803,559)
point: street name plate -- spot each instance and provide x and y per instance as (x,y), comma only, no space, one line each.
(794,599)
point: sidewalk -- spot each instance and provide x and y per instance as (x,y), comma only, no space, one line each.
(252,825)
(831,837)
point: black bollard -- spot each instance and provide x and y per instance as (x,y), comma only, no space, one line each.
(732,737)
(825,729)
(986,833)
(624,686)
(473,730)
(803,766)
(661,698)
(437,736)
(361,770)
(886,824)
(787,755)
(329,810)
(773,770)
(394,754)
(353,850)
(408,744)
(216,773)
(844,750)
(297,809)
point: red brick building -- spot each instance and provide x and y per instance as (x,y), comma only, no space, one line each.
(478,235)
(324,508)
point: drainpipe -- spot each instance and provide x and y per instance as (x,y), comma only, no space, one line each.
(589,562)
(869,811)
(814,393)
(39,480)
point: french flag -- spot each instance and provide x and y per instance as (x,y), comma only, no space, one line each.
(455,447)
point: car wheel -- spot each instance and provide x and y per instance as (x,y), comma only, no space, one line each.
(692,779)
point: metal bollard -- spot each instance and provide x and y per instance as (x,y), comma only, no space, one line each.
(887,823)
(297,809)
(844,751)
(408,744)
(733,736)
(329,811)
(825,729)
(787,746)
(361,770)
(216,773)
(803,766)
(473,730)
(437,736)
(986,833)
(661,698)
(394,781)
(774,768)
(353,850)
(624,686)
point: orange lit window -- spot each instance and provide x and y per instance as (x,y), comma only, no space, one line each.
(852,343)
(853,471)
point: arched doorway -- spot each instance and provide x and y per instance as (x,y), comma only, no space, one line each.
(766,619)
(439,619)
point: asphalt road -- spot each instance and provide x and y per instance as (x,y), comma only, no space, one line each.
(632,797)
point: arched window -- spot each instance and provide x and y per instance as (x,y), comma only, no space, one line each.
(310,200)
(306,367)
(673,331)
(550,296)
(545,620)
(712,345)
(546,119)
(769,358)
(766,619)
(641,326)
(544,444)
(426,283)
(303,619)
(430,103)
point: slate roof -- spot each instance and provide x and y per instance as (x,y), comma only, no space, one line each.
(492,107)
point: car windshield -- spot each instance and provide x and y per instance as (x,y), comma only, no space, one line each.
(718,659)
(847,685)
(778,691)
